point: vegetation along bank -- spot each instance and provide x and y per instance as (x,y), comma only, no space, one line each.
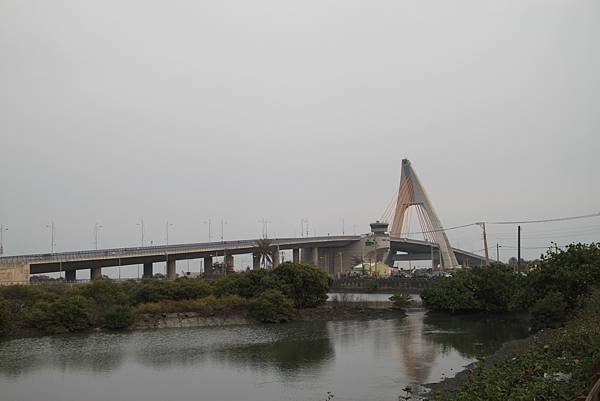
(561,360)
(259,295)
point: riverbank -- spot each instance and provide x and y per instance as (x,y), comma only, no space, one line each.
(556,364)
(188,319)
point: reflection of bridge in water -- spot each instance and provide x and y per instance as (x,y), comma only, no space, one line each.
(334,254)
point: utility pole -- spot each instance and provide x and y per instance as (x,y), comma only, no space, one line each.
(141,224)
(209,229)
(265,227)
(2,229)
(52,228)
(485,245)
(167,225)
(343,226)
(96,227)
(222,223)
(518,247)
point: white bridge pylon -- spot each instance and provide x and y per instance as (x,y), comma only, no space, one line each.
(411,194)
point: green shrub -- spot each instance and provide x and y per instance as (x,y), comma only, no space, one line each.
(401,300)
(153,290)
(489,289)
(63,315)
(271,307)
(558,366)
(119,317)
(21,298)
(306,285)
(207,306)
(550,311)
(5,318)
(186,288)
(106,292)
(573,272)
(246,284)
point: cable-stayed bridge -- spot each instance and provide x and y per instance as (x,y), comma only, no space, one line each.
(334,254)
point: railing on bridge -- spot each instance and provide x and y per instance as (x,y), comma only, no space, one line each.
(158,249)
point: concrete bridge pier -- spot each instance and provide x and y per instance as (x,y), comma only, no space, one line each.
(276,256)
(296,255)
(310,255)
(255,261)
(148,271)
(96,273)
(171,269)
(228,260)
(208,265)
(70,275)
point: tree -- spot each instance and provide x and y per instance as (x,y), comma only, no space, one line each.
(119,317)
(305,284)
(64,315)
(271,307)
(265,250)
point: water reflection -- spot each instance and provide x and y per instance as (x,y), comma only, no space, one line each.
(474,336)
(356,359)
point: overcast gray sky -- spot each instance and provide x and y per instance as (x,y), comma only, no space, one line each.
(114,111)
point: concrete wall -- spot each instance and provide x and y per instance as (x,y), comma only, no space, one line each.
(17,273)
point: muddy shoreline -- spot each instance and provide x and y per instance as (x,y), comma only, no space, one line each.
(447,387)
(332,312)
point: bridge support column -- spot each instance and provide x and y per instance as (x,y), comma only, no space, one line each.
(315,255)
(296,255)
(228,260)
(208,265)
(340,264)
(276,256)
(171,269)
(70,275)
(306,255)
(256,261)
(96,273)
(148,271)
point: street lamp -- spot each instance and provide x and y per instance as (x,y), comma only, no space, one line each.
(96,227)
(222,224)
(304,226)
(2,229)
(141,225)
(265,227)
(167,225)
(209,229)
(52,228)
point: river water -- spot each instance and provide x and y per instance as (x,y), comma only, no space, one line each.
(354,359)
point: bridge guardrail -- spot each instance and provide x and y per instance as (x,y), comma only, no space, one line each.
(146,250)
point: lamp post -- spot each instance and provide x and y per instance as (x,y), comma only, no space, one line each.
(141,225)
(52,228)
(222,224)
(2,229)
(209,229)
(265,227)
(96,228)
(167,225)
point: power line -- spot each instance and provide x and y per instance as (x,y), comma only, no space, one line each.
(584,216)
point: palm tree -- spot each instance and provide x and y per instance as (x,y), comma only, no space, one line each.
(265,250)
